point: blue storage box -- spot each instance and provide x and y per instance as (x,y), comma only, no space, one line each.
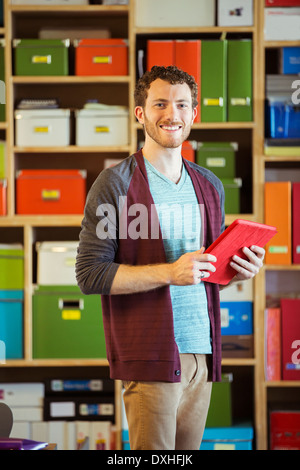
(291,60)
(125,439)
(238,437)
(11,322)
(236,318)
(283,120)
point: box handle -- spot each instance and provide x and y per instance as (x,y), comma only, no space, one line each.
(50,194)
(41,59)
(240,101)
(213,102)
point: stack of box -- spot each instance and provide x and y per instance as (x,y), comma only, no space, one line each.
(282,202)
(222,70)
(66,323)
(238,437)
(220,158)
(237,320)
(11,299)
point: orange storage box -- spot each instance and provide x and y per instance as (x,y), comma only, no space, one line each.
(3,185)
(51,191)
(101,57)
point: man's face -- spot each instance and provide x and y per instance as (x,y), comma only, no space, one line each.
(168,114)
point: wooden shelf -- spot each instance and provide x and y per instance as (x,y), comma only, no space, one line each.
(74,149)
(73,9)
(278,44)
(199,30)
(41,221)
(282,383)
(54,363)
(69,79)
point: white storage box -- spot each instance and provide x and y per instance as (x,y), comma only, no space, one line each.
(42,127)
(56,263)
(282,24)
(174,13)
(238,292)
(101,127)
(235,12)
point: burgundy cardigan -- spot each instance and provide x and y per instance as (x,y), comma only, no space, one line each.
(139,329)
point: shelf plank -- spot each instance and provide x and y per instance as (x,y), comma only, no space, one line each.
(200,29)
(226,361)
(54,363)
(283,383)
(42,221)
(282,267)
(68,79)
(74,149)
(279,44)
(79,9)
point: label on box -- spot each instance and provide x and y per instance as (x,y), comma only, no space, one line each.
(50,194)
(213,101)
(76,385)
(40,129)
(102,59)
(298,249)
(101,129)
(216,162)
(224,317)
(278,249)
(71,315)
(95,409)
(41,59)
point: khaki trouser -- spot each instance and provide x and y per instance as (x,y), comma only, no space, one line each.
(169,416)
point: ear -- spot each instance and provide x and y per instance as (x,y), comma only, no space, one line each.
(139,114)
(195,112)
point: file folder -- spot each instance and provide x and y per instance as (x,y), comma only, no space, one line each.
(160,52)
(241,233)
(296,223)
(290,318)
(213,81)
(239,90)
(188,58)
(278,213)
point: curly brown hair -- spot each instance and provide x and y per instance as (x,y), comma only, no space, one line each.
(170,74)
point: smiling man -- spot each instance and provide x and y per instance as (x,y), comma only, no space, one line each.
(161,321)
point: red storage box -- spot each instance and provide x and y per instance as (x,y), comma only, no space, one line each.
(51,191)
(3,185)
(101,57)
(285,430)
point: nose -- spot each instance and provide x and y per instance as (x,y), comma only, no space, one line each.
(172,113)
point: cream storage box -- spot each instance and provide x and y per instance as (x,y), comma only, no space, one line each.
(56,263)
(174,13)
(107,126)
(42,127)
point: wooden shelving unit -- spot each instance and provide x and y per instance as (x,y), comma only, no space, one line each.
(22,21)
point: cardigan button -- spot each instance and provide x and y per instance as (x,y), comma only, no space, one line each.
(177,372)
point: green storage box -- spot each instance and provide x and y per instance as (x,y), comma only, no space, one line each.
(41,57)
(67,324)
(232,189)
(2,77)
(2,159)
(11,267)
(219,157)
(220,411)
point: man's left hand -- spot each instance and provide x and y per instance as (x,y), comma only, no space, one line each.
(247,269)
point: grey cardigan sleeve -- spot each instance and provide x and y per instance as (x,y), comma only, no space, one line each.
(98,239)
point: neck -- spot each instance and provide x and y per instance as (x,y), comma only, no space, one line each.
(167,161)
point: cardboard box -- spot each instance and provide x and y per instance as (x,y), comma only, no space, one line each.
(101,57)
(67,324)
(232,188)
(11,267)
(237,346)
(219,157)
(42,127)
(238,437)
(56,263)
(22,394)
(51,191)
(290,60)
(236,318)
(235,13)
(174,13)
(46,57)
(220,413)
(100,127)
(11,323)
(284,430)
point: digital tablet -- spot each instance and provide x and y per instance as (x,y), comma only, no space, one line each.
(241,233)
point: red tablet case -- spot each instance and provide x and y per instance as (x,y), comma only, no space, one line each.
(241,233)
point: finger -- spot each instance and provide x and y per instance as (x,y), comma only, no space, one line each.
(246,273)
(202,266)
(244,265)
(253,257)
(259,251)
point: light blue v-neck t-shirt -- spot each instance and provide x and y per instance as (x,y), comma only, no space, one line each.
(180,221)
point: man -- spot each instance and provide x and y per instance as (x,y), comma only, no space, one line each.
(161,319)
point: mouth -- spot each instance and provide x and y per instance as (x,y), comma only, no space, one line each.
(171,127)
